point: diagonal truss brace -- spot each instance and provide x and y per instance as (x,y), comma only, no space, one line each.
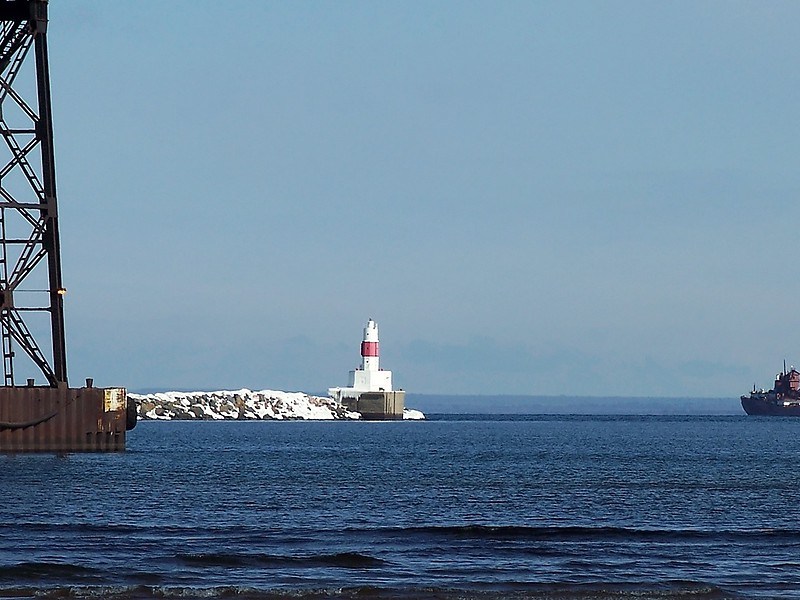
(31,212)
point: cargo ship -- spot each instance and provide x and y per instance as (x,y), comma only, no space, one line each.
(783,400)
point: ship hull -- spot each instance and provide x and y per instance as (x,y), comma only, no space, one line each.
(761,406)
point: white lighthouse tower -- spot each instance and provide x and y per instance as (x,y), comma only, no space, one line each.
(370,378)
(370,388)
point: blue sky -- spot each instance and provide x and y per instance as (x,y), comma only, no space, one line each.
(593,198)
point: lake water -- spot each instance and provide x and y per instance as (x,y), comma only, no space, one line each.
(453,507)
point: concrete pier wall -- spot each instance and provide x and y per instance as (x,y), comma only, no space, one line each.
(378,406)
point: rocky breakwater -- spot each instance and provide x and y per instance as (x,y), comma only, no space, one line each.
(241,404)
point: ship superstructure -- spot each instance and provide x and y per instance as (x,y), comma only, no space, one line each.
(782,400)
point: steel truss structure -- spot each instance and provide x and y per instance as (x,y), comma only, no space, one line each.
(30,261)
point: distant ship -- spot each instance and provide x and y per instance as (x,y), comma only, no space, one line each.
(781,401)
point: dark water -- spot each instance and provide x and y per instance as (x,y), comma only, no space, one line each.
(523,507)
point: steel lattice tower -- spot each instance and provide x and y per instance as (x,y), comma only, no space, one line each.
(30,261)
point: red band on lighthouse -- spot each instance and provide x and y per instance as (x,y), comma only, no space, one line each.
(369,348)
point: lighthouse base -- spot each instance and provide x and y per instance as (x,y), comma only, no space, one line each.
(377,406)
(62,419)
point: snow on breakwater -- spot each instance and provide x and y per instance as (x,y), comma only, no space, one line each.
(243,404)
(239,404)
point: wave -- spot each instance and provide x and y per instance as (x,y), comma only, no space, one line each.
(128,528)
(671,590)
(573,533)
(44,571)
(529,540)
(346,560)
(499,532)
(69,527)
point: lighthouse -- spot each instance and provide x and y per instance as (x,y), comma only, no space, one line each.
(369,391)
(369,377)
(370,352)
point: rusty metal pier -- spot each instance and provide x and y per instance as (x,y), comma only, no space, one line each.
(48,415)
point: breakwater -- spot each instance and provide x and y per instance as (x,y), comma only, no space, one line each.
(243,404)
